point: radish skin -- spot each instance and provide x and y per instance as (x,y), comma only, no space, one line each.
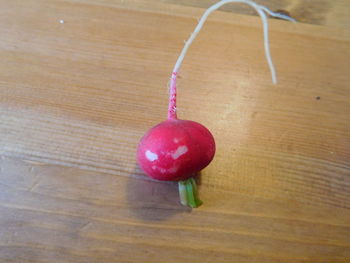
(175,150)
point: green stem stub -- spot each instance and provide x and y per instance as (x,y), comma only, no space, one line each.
(188,193)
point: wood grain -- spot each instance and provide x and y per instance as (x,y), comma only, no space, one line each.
(76,97)
(317,12)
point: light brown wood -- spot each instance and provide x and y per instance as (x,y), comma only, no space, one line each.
(76,97)
(318,12)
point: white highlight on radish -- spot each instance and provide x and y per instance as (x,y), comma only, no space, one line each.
(151,156)
(163,170)
(261,10)
(176,140)
(173,169)
(181,150)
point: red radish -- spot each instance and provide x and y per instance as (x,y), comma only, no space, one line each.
(175,150)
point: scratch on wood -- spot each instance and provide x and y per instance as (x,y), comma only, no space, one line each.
(31,169)
(85,226)
(34,162)
(283,135)
(34,185)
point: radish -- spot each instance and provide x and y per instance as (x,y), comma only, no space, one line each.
(176,150)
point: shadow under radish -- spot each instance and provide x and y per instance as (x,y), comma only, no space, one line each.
(151,200)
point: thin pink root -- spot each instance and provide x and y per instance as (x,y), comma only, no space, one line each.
(172,97)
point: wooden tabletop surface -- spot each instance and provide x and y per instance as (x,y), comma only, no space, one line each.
(82,80)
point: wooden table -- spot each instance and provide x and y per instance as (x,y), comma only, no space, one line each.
(82,80)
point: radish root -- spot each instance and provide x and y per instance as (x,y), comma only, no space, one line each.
(261,10)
